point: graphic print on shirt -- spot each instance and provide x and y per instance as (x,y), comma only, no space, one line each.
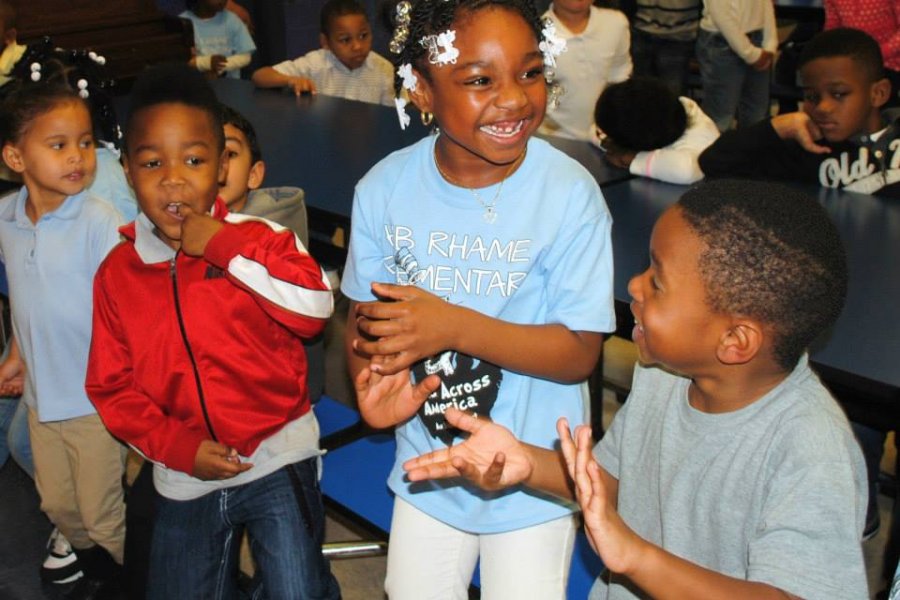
(456,267)
(865,173)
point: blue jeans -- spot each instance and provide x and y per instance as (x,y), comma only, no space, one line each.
(729,84)
(654,56)
(14,438)
(196,542)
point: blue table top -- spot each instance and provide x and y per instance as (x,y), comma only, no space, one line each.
(326,144)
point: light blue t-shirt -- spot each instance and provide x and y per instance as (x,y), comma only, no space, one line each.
(110,183)
(546,259)
(224,34)
(50,266)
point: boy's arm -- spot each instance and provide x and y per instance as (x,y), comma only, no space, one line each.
(657,572)
(271,264)
(270,77)
(754,151)
(127,412)
(413,324)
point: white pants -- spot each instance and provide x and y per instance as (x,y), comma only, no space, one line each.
(428,559)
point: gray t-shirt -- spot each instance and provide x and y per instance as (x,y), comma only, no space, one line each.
(774,492)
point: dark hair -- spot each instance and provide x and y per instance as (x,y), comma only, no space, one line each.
(640,114)
(175,83)
(62,71)
(854,44)
(9,15)
(772,254)
(232,117)
(332,9)
(428,17)
(26,103)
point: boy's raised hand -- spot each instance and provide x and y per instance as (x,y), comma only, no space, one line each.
(616,544)
(215,461)
(798,126)
(196,230)
(492,457)
(385,400)
(408,324)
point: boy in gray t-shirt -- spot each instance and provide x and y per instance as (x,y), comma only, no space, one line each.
(730,471)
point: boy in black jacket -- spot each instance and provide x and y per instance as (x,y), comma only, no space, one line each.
(840,139)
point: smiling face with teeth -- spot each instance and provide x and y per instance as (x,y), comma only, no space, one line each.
(490,102)
(674,324)
(174,158)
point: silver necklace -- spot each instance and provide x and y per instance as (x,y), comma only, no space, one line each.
(490,208)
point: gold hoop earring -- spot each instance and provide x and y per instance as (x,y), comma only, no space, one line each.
(427,118)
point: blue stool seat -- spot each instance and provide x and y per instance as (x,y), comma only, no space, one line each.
(354,478)
(333,416)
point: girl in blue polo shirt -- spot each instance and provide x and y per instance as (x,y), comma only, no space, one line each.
(53,236)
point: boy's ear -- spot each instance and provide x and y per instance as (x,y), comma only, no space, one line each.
(13,158)
(880,92)
(323,41)
(256,175)
(421,97)
(10,36)
(740,343)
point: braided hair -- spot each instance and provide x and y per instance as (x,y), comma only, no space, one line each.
(67,74)
(430,17)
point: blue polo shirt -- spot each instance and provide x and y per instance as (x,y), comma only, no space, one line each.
(50,266)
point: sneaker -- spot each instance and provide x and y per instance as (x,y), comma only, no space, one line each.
(61,564)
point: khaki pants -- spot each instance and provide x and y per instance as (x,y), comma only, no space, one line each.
(78,469)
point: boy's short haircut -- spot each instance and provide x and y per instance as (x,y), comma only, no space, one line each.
(772,254)
(640,114)
(332,9)
(857,45)
(175,83)
(9,16)
(232,117)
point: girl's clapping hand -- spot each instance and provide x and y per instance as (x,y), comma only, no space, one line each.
(407,325)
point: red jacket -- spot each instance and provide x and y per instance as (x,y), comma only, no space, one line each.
(190,349)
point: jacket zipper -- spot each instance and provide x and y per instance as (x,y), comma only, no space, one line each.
(187,347)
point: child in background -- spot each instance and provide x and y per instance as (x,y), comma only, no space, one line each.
(597,53)
(246,171)
(233,440)
(497,252)
(642,126)
(12,50)
(840,138)
(736,48)
(345,66)
(48,139)
(222,43)
(730,472)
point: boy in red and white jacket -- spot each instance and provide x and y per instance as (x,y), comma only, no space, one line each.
(197,358)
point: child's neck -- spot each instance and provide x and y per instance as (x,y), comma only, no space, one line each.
(734,388)
(40,204)
(576,22)
(463,168)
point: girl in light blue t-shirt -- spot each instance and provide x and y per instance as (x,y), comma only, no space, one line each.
(480,274)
